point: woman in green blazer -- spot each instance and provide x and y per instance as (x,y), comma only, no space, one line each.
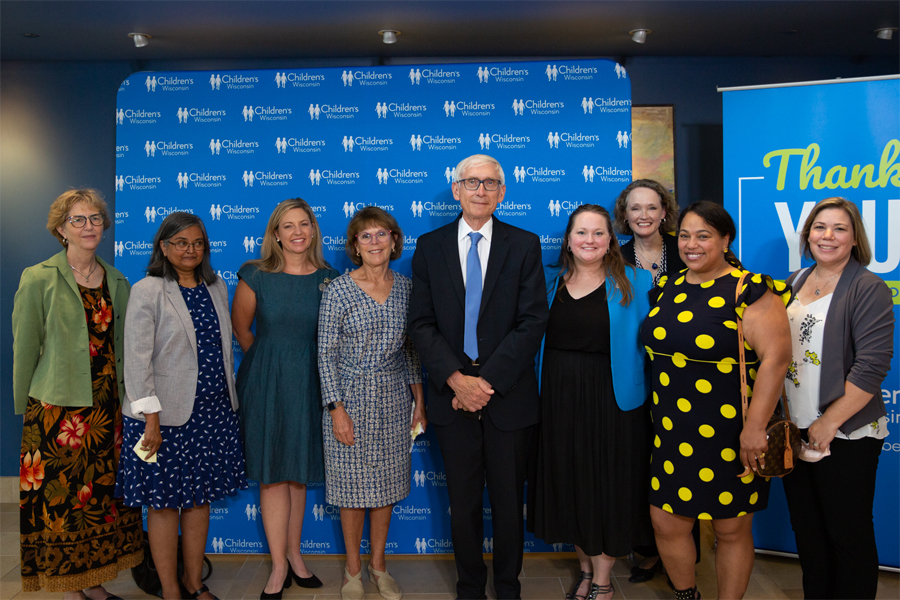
(68,324)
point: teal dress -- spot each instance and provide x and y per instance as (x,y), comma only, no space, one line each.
(278,380)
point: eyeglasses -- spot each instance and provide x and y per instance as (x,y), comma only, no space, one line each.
(80,221)
(472,184)
(182,245)
(380,236)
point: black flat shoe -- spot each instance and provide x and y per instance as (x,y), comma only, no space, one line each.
(639,575)
(305,582)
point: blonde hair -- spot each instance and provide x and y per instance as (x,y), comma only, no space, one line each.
(861,250)
(271,256)
(59,210)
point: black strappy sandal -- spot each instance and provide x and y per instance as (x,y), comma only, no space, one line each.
(596,590)
(688,594)
(203,589)
(574,593)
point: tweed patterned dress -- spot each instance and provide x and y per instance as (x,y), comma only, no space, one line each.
(367,360)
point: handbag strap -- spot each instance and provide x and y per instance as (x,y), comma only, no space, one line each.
(743,362)
(743,359)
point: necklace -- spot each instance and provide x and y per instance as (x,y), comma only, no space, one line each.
(88,276)
(818,291)
(653,263)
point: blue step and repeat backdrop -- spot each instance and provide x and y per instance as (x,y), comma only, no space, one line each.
(229,145)
(786,148)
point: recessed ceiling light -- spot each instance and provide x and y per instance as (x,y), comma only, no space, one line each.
(885,33)
(389,36)
(30,35)
(639,35)
(140,39)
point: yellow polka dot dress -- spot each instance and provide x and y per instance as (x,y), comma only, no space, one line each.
(691,338)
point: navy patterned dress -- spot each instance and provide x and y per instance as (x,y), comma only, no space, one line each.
(367,360)
(203,460)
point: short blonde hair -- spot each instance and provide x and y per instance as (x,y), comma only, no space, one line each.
(861,250)
(59,210)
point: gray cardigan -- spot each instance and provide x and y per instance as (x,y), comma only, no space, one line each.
(161,349)
(858,339)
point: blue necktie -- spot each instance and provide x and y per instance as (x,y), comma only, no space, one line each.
(473,297)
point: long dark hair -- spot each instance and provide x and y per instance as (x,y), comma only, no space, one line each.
(171,226)
(717,218)
(613,262)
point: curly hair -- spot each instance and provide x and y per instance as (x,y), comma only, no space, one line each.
(666,199)
(59,210)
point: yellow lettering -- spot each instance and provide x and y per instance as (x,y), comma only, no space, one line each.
(785,156)
(856,177)
(836,177)
(808,171)
(841,172)
(887,166)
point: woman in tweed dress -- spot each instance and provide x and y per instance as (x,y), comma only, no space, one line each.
(371,379)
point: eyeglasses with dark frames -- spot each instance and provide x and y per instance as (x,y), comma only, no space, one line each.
(79,221)
(473,183)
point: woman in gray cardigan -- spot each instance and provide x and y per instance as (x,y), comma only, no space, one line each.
(842,329)
(179,380)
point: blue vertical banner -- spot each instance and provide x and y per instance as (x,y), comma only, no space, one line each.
(230,145)
(786,148)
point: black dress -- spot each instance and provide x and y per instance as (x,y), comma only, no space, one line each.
(590,486)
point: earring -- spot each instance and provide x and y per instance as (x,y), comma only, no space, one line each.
(569,248)
(277,241)
(66,241)
(663,220)
(357,252)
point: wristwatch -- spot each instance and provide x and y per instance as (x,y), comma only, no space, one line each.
(333,406)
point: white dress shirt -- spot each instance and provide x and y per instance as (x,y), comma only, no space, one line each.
(484,245)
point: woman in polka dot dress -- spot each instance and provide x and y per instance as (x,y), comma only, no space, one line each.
(701,444)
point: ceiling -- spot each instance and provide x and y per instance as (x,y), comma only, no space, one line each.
(97,30)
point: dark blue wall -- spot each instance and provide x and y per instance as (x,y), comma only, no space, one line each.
(57,130)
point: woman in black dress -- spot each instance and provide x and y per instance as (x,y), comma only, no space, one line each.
(594,446)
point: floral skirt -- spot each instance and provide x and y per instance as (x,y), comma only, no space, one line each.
(74,533)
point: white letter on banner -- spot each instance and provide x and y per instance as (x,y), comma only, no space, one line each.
(893,243)
(791,233)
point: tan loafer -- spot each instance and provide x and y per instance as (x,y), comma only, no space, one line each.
(353,589)
(387,585)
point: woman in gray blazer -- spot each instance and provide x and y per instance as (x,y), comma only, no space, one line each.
(181,433)
(842,333)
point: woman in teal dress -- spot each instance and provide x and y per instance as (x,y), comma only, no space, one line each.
(278,382)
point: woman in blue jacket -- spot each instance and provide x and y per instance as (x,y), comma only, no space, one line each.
(594,452)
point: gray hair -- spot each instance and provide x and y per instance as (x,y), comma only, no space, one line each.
(476,160)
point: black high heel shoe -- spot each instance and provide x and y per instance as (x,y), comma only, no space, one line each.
(640,575)
(305,582)
(277,595)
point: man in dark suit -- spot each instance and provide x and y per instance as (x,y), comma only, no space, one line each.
(477,315)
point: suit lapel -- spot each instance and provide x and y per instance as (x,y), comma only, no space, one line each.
(221,309)
(62,264)
(499,250)
(173,294)
(450,248)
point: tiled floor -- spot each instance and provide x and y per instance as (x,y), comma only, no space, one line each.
(236,576)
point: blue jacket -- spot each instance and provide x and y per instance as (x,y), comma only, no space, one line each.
(631,378)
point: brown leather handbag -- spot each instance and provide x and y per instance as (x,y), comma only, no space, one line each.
(782,435)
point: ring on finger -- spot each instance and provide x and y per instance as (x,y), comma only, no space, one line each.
(815,444)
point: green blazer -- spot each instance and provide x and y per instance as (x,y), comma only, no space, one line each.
(51,355)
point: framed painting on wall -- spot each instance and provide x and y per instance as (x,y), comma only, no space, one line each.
(653,143)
